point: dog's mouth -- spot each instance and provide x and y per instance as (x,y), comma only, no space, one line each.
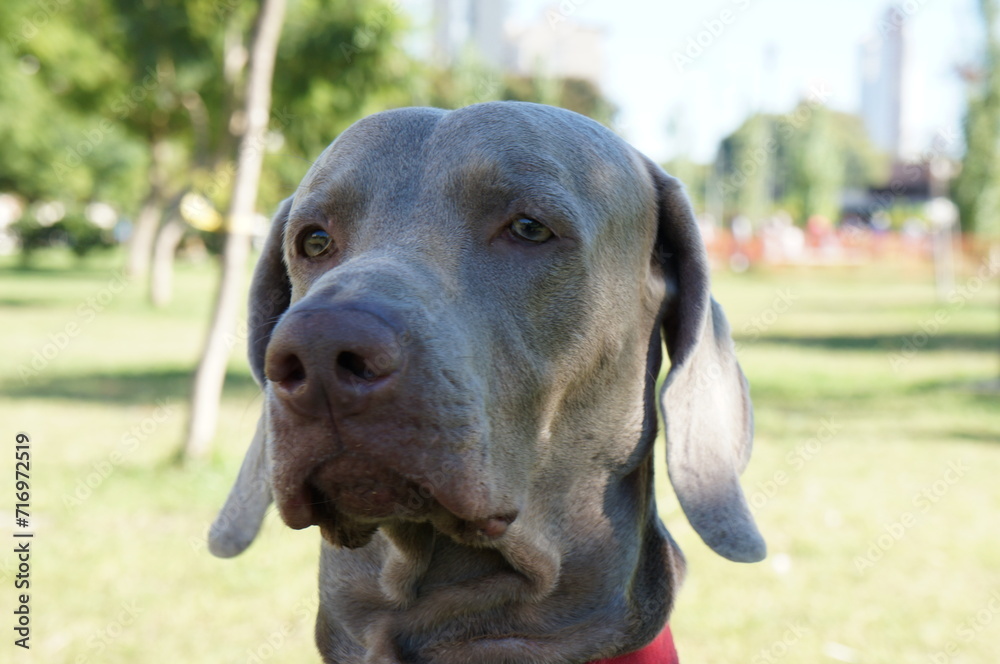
(351,495)
(363,489)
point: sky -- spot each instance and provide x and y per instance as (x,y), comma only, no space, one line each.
(813,46)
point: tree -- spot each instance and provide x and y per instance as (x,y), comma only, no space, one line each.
(469,80)
(336,60)
(211,371)
(56,82)
(817,168)
(977,189)
(800,161)
(575,94)
(755,197)
(165,51)
(746,162)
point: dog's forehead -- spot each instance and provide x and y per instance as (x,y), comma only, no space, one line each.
(377,147)
(516,143)
(522,132)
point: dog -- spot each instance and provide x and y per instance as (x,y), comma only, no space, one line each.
(457,322)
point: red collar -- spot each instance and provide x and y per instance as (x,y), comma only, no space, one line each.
(660,651)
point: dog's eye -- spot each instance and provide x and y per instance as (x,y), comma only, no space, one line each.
(530,230)
(316,242)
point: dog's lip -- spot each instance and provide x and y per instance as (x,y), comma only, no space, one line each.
(300,508)
(350,485)
(358,487)
(475,527)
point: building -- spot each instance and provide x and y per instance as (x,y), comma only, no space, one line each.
(553,44)
(479,24)
(885,83)
(556,45)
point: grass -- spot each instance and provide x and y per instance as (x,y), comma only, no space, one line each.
(878,551)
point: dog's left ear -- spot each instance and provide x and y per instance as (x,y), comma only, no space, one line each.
(239,520)
(705,399)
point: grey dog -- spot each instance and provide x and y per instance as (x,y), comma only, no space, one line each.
(457,322)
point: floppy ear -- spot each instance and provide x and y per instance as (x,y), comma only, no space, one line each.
(705,399)
(238,522)
(270,292)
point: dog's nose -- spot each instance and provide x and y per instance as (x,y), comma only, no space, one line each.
(332,356)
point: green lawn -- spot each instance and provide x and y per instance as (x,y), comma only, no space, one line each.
(876,478)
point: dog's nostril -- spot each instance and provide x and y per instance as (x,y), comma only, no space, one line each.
(356,365)
(290,373)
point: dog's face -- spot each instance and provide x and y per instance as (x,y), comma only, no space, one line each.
(457,323)
(463,302)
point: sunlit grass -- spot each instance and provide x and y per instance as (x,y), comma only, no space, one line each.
(846,443)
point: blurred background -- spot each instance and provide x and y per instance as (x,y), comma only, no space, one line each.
(844,163)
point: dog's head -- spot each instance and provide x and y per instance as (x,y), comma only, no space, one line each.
(457,321)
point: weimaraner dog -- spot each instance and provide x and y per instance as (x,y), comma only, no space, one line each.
(458,322)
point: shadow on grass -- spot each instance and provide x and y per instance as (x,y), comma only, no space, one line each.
(983,436)
(12,303)
(890,342)
(123,388)
(87,269)
(867,397)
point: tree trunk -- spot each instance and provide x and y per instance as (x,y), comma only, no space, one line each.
(140,244)
(211,371)
(161,283)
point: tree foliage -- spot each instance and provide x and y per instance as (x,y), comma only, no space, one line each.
(93,91)
(469,81)
(575,94)
(800,161)
(55,79)
(977,189)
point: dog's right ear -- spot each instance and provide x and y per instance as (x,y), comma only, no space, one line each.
(705,399)
(238,522)
(270,293)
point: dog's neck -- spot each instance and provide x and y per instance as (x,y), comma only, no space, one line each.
(660,651)
(591,583)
